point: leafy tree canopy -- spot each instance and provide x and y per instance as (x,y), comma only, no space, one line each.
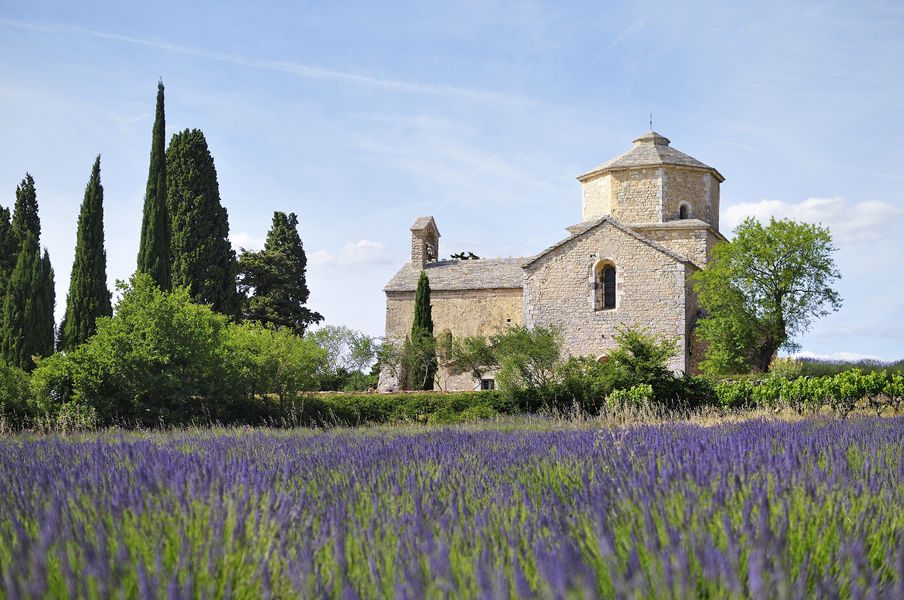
(762,290)
(273,280)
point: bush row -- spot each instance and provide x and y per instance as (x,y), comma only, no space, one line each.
(842,393)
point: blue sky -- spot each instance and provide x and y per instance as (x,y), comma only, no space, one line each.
(362,117)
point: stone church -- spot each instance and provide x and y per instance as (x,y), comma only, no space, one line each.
(649,220)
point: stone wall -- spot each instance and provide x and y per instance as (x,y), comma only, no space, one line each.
(595,198)
(694,243)
(462,313)
(650,292)
(684,186)
(637,195)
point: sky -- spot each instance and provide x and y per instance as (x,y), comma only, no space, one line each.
(361,117)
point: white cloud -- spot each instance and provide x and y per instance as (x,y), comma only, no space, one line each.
(848,222)
(362,252)
(842,356)
(246,240)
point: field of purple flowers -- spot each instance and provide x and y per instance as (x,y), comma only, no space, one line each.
(756,509)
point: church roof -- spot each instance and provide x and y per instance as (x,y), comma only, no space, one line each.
(650,150)
(582,228)
(480,274)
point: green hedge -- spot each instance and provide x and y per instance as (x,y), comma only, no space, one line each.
(423,407)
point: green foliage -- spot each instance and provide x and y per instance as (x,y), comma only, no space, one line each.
(421,347)
(420,407)
(349,355)
(203,258)
(25,219)
(264,359)
(763,289)
(163,359)
(88,297)
(28,300)
(632,398)
(8,253)
(470,354)
(154,251)
(734,394)
(640,358)
(159,359)
(527,358)
(273,280)
(14,394)
(25,321)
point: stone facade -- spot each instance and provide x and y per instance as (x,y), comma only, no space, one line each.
(650,216)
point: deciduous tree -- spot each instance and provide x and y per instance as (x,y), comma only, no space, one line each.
(763,289)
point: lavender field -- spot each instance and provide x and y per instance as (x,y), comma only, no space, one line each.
(757,509)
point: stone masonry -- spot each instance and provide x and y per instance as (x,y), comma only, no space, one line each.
(651,215)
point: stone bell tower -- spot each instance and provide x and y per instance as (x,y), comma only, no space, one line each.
(424,242)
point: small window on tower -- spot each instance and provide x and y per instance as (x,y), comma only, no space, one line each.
(684,212)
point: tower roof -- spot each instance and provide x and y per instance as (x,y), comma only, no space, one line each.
(650,150)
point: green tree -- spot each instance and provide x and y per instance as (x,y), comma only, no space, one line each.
(44,293)
(154,252)
(88,296)
(8,252)
(349,355)
(20,316)
(203,258)
(273,281)
(763,289)
(25,213)
(28,325)
(423,373)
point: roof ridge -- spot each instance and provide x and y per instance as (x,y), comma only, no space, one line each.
(617,225)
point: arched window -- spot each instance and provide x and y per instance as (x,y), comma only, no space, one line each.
(684,212)
(605,286)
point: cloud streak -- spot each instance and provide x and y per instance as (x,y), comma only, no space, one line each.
(848,222)
(291,68)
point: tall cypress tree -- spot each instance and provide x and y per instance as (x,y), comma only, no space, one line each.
(44,299)
(8,252)
(154,256)
(29,296)
(88,296)
(203,258)
(276,278)
(21,325)
(25,214)
(422,332)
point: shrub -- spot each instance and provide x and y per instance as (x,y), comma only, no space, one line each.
(734,394)
(631,398)
(14,394)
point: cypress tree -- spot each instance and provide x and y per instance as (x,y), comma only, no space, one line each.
(8,252)
(88,296)
(25,215)
(422,332)
(154,256)
(276,278)
(21,328)
(28,325)
(44,299)
(203,258)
